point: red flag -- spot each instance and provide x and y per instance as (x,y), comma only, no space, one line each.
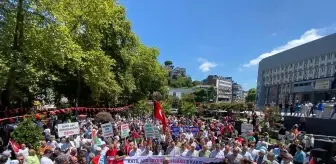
(15,146)
(159,114)
(312,161)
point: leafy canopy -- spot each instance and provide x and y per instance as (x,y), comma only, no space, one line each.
(82,50)
(27,132)
(251,95)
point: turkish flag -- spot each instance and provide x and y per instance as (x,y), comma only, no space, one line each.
(16,147)
(159,114)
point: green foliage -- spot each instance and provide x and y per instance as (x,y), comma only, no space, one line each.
(237,107)
(28,132)
(181,82)
(142,108)
(82,50)
(190,97)
(251,95)
(196,82)
(168,63)
(187,108)
(103,117)
(205,95)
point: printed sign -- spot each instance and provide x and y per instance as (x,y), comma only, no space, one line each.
(176,130)
(157,132)
(323,84)
(172,160)
(149,130)
(68,129)
(124,130)
(246,129)
(107,130)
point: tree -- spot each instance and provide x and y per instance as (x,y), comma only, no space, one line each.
(181,82)
(188,97)
(103,117)
(142,108)
(82,50)
(187,108)
(196,82)
(168,63)
(27,132)
(205,95)
(251,95)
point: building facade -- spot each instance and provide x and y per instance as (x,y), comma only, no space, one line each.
(304,73)
(237,93)
(223,87)
(178,92)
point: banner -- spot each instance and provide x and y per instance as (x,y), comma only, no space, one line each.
(124,130)
(107,130)
(68,129)
(149,130)
(176,130)
(172,160)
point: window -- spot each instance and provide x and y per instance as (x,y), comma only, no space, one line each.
(311,60)
(329,56)
(323,69)
(322,58)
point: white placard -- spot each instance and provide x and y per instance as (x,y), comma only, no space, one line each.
(246,128)
(323,84)
(68,129)
(107,130)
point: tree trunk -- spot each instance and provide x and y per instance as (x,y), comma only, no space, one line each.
(17,47)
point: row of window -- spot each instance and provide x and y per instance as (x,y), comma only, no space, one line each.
(319,60)
(326,71)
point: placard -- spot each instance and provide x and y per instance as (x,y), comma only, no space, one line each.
(157,132)
(322,84)
(176,130)
(124,130)
(149,130)
(107,130)
(68,129)
(246,129)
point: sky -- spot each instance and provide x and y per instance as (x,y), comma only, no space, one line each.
(228,38)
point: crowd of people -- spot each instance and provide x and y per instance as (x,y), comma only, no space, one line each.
(215,139)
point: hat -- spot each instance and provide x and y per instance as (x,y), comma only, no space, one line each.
(98,149)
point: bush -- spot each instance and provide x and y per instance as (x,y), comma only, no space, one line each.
(27,132)
(103,117)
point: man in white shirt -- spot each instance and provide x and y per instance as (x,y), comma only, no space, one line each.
(23,151)
(208,143)
(45,158)
(172,150)
(217,153)
(147,152)
(135,152)
(190,153)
